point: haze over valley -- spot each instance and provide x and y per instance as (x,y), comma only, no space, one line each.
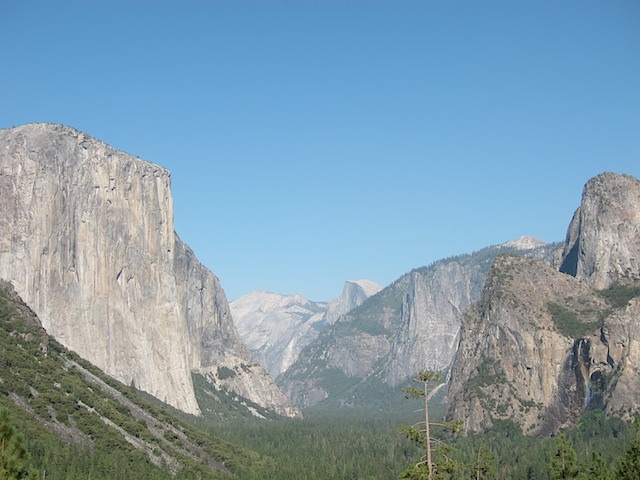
(262,240)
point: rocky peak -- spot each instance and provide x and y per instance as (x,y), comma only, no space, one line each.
(277,327)
(519,351)
(87,239)
(524,243)
(603,239)
(541,347)
(353,294)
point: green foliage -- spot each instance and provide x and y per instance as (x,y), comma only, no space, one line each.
(15,461)
(225,373)
(321,446)
(430,466)
(80,423)
(571,323)
(485,463)
(628,466)
(221,403)
(563,463)
(598,469)
(619,294)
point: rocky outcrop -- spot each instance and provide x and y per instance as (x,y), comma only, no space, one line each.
(515,359)
(603,239)
(353,294)
(277,327)
(542,346)
(409,326)
(87,239)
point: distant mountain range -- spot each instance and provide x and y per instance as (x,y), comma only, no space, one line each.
(410,325)
(534,332)
(527,331)
(276,327)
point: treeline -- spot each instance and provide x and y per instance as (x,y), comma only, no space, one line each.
(366,447)
(76,422)
(591,450)
(324,446)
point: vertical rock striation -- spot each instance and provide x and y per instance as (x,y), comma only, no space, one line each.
(430,318)
(515,359)
(603,239)
(87,239)
(543,346)
(408,326)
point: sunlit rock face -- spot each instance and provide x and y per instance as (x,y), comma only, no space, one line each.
(541,347)
(87,238)
(430,319)
(512,362)
(603,239)
(408,326)
(277,327)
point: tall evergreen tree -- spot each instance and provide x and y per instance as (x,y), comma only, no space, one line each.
(427,468)
(484,464)
(14,458)
(628,466)
(563,464)
(598,470)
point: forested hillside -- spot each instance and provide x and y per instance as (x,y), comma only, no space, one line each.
(75,422)
(79,423)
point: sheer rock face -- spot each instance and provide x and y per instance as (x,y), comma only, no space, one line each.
(409,326)
(542,346)
(430,319)
(277,327)
(87,239)
(512,362)
(603,239)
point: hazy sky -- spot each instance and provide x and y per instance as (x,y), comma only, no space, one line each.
(311,142)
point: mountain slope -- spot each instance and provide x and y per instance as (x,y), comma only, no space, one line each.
(68,409)
(87,239)
(276,327)
(408,326)
(541,347)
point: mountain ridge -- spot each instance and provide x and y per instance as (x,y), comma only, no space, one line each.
(546,343)
(88,241)
(276,327)
(379,341)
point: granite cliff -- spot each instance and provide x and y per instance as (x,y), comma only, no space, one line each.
(277,327)
(543,344)
(87,239)
(408,326)
(603,239)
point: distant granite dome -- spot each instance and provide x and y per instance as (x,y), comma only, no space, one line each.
(524,243)
(277,327)
(87,239)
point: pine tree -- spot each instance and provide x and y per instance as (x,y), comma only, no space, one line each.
(598,469)
(628,466)
(484,464)
(563,464)
(420,433)
(14,458)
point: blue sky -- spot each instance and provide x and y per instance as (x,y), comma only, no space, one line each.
(311,142)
